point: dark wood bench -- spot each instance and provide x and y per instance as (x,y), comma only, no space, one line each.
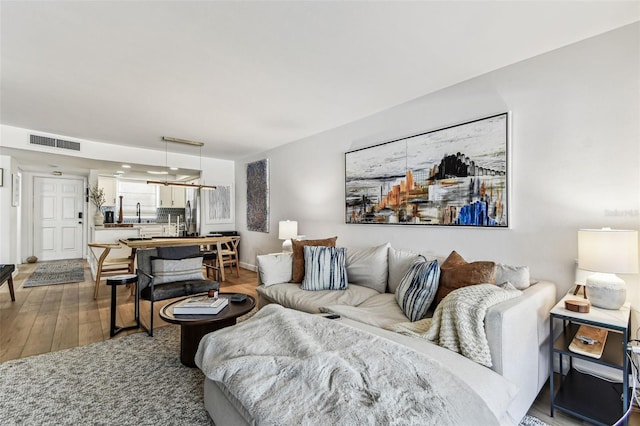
(5,275)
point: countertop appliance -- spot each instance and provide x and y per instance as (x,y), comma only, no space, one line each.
(108,216)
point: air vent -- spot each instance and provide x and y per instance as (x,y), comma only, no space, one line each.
(54,143)
(41,140)
(61,143)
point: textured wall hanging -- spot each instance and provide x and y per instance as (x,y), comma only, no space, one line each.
(219,204)
(258,196)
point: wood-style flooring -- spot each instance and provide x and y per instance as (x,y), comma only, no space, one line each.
(54,317)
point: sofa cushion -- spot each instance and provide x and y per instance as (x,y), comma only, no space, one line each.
(292,296)
(324,268)
(380,310)
(455,272)
(518,276)
(369,266)
(275,268)
(399,262)
(298,255)
(178,289)
(168,270)
(418,288)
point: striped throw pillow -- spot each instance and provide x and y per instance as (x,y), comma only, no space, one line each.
(418,288)
(324,268)
(168,270)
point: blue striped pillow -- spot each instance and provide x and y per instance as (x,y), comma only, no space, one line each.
(418,288)
(324,268)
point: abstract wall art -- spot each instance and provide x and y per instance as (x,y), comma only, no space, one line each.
(453,176)
(258,196)
(219,204)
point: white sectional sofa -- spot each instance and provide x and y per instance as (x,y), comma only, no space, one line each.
(517,330)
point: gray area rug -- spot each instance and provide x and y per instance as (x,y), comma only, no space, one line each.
(133,380)
(62,272)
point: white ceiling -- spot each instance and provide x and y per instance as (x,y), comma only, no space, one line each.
(243,77)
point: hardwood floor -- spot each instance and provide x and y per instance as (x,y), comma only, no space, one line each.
(54,317)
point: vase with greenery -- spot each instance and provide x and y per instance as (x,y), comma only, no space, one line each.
(96,195)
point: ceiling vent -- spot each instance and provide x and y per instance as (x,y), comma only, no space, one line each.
(54,143)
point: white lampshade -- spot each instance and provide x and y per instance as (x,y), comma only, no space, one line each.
(608,250)
(604,253)
(287,229)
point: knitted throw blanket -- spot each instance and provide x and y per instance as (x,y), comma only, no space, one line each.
(290,368)
(458,321)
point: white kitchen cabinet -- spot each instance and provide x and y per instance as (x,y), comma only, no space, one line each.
(171,196)
(110,187)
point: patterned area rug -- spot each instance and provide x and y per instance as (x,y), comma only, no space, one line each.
(66,271)
(133,380)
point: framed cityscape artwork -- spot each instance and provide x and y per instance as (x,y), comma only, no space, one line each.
(454,176)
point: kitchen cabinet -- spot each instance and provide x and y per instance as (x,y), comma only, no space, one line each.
(171,196)
(110,187)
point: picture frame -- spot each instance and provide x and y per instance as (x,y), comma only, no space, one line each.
(15,190)
(453,176)
(219,204)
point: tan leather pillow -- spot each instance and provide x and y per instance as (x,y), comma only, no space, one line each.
(455,272)
(298,255)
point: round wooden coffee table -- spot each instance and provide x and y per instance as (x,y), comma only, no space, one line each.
(194,327)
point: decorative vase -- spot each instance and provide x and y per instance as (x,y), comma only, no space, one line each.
(98,218)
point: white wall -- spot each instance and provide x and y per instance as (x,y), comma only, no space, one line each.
(15,234)
(575,161)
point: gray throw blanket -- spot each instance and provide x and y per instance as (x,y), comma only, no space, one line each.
(458,321)
(291,368)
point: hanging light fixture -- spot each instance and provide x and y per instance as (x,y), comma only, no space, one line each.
(183,184)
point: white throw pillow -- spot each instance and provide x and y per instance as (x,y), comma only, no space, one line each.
(516,275)
(275,268)
(399,263)
(324,268)
(369,267)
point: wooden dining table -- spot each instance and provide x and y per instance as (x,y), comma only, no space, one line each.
(146,243)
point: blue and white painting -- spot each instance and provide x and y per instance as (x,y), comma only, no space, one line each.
(455,176)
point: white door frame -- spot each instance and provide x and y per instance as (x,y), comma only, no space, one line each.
(27,234)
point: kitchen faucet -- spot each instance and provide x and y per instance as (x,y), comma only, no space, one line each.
(138,211)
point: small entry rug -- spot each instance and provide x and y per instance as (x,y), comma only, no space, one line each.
(62,272)
(133,380)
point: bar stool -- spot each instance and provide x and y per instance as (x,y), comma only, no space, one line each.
(114,281)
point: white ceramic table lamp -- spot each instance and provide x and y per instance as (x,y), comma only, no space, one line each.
(607,252)
(287,229)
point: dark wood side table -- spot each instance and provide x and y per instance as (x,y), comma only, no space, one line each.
(194,327)
(115,281)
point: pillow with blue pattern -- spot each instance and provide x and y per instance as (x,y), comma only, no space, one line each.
(418,288)
(324,268)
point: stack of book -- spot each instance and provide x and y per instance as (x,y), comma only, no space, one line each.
(200,306)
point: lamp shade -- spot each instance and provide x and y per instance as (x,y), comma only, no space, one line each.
(287,229)
(608,250)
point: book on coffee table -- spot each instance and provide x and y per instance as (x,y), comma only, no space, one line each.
(200,306)
(589,341)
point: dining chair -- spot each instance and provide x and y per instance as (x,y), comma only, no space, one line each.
(228,255)
(109,266)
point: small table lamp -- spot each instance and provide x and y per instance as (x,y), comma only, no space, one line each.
(607,252)
(287,229)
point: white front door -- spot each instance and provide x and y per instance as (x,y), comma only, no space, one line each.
(57,205)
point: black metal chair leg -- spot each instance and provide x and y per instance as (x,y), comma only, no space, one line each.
(151,326)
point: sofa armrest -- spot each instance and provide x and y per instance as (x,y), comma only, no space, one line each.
(518,335)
